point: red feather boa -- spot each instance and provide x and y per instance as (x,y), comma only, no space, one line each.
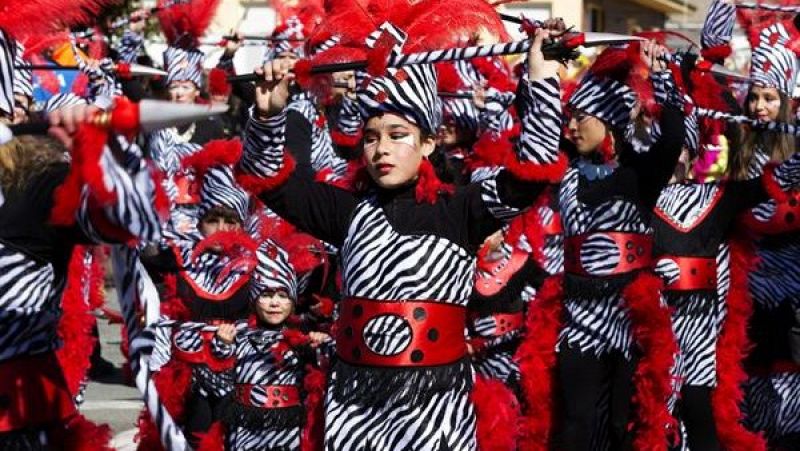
(733,346)
(85,169)
(218,152)
(255,185)
(344,140)
(429,187)
(213,439)
(537,360)
(80,434)
(652,332)
(76,323)
(498,415)
(314,429)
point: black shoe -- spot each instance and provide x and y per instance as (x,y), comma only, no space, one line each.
(101,369)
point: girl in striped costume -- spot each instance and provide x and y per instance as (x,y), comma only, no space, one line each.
(265,410)
(772,394)
(39,229)
(401,378)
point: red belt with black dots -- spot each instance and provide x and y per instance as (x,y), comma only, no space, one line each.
(400,333)
(696,273)
(271,396)
(635,252)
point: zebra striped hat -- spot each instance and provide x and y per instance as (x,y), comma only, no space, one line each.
(220,189)
(23,78)
(274,272)
(184,64)
(609,100)
(409,91)
(773,63)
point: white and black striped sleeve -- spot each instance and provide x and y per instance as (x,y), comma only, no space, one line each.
(131,214)
(718,26)
(223,350)
(130,46)
(542,121)
(162,348)
(665,91)
(349,121)
(264,146)
(787,174)
(495,116)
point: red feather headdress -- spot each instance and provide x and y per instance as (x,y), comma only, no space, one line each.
(184,22)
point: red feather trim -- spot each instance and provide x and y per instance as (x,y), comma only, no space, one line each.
(218,83)
(717,53)
(733,346)
(80,434)
(213,439)
(344,140)
(497,74)
(172,382)
(534,172)
(160,199)
(314,429)
(184,23)
(651,325)
(218,152)
(493,149)
(302,256)
(771,185)
(707,92)
(326,305)
(448,79)
(21,18)
(85,169)
(148,438)
(76,323)
(97,278)
(429,187)
(378,56)
(237,245)
(530,225)
(433,25)
(498,414)
(537,360)
(256,185)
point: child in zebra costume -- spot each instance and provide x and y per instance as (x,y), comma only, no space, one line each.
(183,62)
(772,394)
(265,410)
(213,273)
(401,378)
(47,209)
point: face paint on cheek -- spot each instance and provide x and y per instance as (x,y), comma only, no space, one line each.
(407,140)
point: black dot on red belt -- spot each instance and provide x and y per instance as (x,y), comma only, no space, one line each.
(275,402)
(285,398)
(356,353)
(789,217)
(419,314)
(629,245)
(433,334)
(5,401)
(793,202)
(711,281)
(358,311)
(348,332)
(416,356)
(693,271)
(276,392)
(630,258)
(502,321)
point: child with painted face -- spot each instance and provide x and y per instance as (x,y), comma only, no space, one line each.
(265,409)
(406,241)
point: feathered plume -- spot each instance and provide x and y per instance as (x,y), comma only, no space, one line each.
(184,22)
(441,24)
(23,18)
(219,152)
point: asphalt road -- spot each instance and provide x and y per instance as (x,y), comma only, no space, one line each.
(110,400)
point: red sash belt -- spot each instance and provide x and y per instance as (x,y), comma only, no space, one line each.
(204,355)
(33,392)
(786,218)
(277,396)
(500,273)
(635,252)
(425,333)
(504,322)
(697,273)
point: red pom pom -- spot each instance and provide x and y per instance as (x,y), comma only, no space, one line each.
(717,53)
(326,305)
(218,83)
(498,412)
(219,152)
(125,116)
(429,187)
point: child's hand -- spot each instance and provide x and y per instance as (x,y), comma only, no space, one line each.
(227,333)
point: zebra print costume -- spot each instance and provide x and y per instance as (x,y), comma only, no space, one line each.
(393,251)
(34,258)
(251,426)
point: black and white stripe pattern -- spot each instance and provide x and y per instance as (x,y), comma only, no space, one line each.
(8,50)
(349,121)
(496,116)
(541,125)
(130,46)
(718,25)
(322,152)
(62,100)
(184,65)
(23,78)
(207,270)
(696,324)
(263,146)
(772,404)
(606,99)
(289,38)
(773,64)
(461,112)
(219,188)
(273,272)
(684,204)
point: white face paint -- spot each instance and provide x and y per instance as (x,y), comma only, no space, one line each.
(393,150)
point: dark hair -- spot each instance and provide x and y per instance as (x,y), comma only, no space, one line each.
(221,211)
(744,142)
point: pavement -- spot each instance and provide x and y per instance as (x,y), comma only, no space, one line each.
(109,400)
